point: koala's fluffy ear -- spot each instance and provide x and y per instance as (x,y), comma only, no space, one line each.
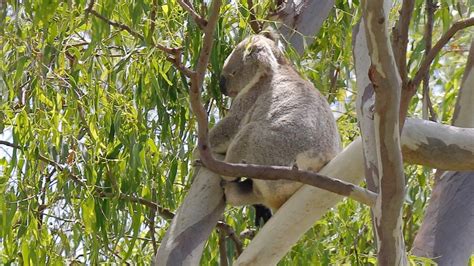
(270,33)
(261,53)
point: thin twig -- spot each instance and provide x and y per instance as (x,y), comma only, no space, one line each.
(400,38)
(200,21)
(151,223)
(121,26)
(154,8)
(40,157)
(42,197)
(174,53)
(222,248)
(254,24)
(163,212)
(12,145)
(333,73)
(232,235)
(428,111)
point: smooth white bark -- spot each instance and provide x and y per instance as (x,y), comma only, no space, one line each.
(365,104)
(438,146)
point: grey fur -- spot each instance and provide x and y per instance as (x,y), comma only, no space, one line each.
(276,118)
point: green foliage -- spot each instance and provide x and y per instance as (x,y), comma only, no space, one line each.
(100,127)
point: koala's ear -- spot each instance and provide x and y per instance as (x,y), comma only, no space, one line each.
(270,33)
(260,53)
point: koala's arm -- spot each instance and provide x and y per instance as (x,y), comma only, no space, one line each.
(222,134)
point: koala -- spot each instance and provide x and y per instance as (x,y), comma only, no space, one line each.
(276,118)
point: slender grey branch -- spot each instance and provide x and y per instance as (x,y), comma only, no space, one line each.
(264,172)
(410,89)
(428,59)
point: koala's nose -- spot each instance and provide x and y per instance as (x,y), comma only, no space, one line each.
(222,85)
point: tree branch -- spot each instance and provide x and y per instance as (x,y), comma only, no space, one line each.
(428,59)
(222,248)
(198,77)
(153,11)
(174,54)
(264,172)
(254,24)
(231,233)
(121,26)
(163,212)
(400,38)
(427,109)
(200,21)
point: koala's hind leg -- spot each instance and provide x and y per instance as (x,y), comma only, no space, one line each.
(240,193)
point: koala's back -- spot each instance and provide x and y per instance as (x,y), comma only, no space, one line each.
(297,119)
(289,123)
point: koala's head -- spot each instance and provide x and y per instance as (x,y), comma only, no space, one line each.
(252,58)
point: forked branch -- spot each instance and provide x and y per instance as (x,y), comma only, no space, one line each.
(200,21)
(428,59)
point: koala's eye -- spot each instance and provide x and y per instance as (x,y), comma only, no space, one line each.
(233,73)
